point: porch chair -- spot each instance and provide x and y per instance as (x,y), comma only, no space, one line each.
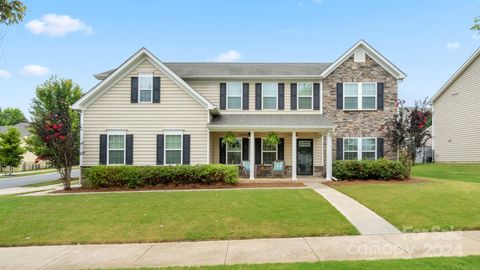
(278,168)
(246,168)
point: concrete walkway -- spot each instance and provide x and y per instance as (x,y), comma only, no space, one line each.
(286,250)
(365,220)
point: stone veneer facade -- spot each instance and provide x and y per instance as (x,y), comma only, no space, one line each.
(360,123)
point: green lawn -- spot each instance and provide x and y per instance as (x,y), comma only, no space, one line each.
(167,216)
(456,263)
(426,205)
(448,171)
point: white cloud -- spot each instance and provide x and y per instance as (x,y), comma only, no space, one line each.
(57,25)
(34,70)
(230,56)
(5,74)
(453,45)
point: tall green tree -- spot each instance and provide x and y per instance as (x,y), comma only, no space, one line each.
(11,116)
(55,127)
(476,24)
(11,11)
(11,150)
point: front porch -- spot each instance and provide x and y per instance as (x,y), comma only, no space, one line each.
(304,148)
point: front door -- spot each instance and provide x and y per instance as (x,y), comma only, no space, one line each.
(305,156)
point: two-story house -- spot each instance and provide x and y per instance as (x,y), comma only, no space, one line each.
(149,112)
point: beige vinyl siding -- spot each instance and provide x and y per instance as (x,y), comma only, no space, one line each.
(176,110)
(456,124)
(317,144)
(211,90)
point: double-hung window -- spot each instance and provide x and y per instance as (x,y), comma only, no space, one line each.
(234,152)
(269,153)
(173,148)
(269,96)
(360,96)
(305,95)
(359,148)
(145,87)
(116,148)
(234,95)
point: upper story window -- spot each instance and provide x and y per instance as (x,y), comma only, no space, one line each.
(360,96)
(359,148)
(145,87)
(305,95)
(116,148)
(173,148)
(234,95)
(269,96)
(269,153)
(234,152)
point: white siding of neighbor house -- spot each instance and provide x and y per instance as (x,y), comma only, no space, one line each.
(176,110)
(456,124)
(211,90)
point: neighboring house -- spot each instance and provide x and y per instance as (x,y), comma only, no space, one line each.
(148,112)
(456,125)
(29,158)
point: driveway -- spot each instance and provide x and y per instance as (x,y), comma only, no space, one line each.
(19,181)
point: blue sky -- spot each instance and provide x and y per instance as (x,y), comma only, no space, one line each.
(428,40)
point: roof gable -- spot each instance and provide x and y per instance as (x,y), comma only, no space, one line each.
(364,47)
(125,68)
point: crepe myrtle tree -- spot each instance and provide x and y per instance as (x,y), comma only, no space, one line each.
(408,130)
(55,127)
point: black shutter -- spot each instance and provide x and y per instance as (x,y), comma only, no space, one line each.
(134,90)
(281,96)
(186,149)
(380,91)
(258,96)
(340,96)
(258,151)
(245,94)
(245,145)
(103,149)
(160,147)
(293,96)
(380,148)
(281,149)
(339,148)
(129,149)
(316,96)
(223,152)
(156,89)
(223,96)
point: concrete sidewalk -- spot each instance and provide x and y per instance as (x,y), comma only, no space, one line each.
(21,190)
(365,220)
(286,250)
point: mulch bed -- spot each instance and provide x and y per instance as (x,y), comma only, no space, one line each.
(373,181)
(184,187)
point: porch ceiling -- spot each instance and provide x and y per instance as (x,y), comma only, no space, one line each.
(255,122)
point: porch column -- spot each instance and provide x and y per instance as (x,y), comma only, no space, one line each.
(328,167)
(294,155)
(251,155)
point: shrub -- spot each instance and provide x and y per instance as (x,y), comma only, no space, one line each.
(140,176)
(368,169)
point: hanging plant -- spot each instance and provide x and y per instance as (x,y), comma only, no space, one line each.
(272,139)
(230,139)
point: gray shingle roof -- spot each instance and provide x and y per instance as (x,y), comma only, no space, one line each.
(272,120)
(20,126)
(208,69)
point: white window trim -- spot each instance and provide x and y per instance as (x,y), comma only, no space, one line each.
(360,95)
(124,134)
(275,96)
(227,150)
(359,147)
(268,151)
(145,75)
(241,96)
(298,97)
(165,147)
